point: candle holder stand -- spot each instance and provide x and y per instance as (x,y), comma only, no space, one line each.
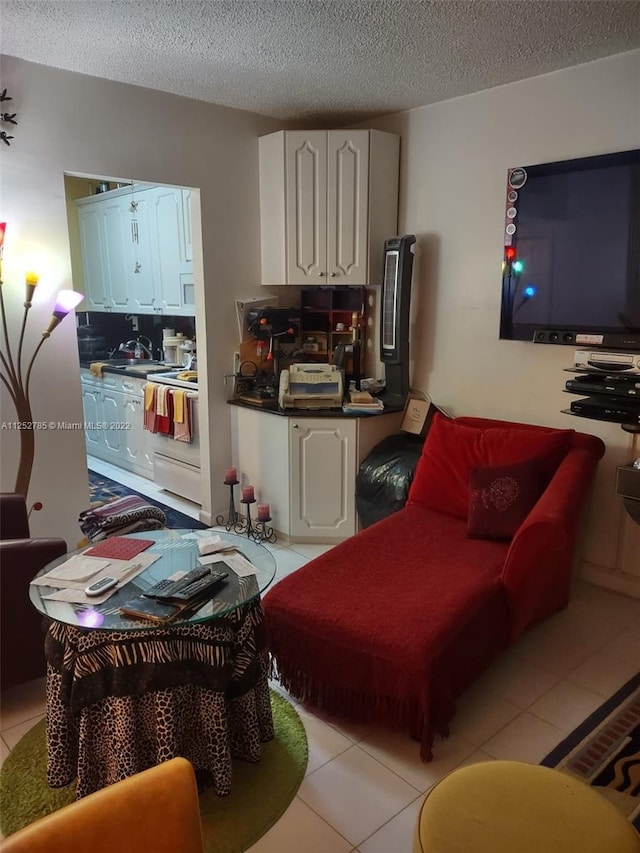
(244,525)
(231,521)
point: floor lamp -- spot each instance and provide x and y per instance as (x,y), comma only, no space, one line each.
(11,371)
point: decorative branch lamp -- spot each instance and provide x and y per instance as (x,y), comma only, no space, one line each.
(11,372)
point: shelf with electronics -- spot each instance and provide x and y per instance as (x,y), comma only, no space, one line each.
(605,394)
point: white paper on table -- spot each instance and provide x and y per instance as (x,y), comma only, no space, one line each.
(78,568)
(239,564)
(213,544)
(122,570)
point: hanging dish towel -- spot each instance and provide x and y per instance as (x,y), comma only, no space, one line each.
(150,406)
(96,367)
(164,410)
(182,404)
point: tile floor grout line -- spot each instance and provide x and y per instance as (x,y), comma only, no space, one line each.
(420,796)
(323,819)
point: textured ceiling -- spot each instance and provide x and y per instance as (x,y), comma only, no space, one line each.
(314,60)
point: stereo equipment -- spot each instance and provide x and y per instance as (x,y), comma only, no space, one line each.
(608,409)
(627,363)
(586,339)
(625,386)
(394,316)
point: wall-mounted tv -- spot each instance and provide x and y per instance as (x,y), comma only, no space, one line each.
(571,268)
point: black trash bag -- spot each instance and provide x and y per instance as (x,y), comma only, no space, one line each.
(385,476)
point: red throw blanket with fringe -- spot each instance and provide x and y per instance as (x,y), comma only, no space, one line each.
(392,624)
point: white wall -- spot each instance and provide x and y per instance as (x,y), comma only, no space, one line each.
(74,123)
(454,163)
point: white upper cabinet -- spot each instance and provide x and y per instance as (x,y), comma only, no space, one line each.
(136,251)
(328,201)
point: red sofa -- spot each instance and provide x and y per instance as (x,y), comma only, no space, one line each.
(393,624)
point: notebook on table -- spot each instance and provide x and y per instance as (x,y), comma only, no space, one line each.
(119,548)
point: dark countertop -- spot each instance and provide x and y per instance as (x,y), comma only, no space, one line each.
(123,370)
(271,408)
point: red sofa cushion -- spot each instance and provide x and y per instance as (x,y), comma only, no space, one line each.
(501,497)
(452,450)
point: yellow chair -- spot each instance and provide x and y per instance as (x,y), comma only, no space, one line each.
(154,810)
(512,807)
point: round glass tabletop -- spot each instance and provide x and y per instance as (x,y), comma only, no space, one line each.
(176,551)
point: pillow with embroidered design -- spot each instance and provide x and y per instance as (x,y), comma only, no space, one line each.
(501,497)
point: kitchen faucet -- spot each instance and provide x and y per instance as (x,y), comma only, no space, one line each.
(131,346)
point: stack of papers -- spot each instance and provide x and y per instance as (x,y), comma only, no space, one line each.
(72,577)
(362,402)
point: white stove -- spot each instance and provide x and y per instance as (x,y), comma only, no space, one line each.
(171,378)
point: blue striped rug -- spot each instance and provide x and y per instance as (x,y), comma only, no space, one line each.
(104,489)
(604,750)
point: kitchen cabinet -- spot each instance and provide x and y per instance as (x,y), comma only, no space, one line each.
(113,414)
(305,467)
(328,201)
(137,252)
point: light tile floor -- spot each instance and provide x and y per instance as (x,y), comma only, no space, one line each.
(364,785)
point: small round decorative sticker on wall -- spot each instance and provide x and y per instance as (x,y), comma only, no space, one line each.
(517,178)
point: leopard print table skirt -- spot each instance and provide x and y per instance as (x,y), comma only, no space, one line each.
(120,702)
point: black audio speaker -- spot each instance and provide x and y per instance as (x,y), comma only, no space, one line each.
(554,336)
(394,316)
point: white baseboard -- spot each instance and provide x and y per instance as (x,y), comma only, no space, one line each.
(610,578)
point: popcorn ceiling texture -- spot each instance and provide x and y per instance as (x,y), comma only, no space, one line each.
(310,60)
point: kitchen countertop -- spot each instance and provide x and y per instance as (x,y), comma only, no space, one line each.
(139,370)
(272,408)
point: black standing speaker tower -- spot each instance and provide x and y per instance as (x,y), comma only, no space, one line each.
(394,317)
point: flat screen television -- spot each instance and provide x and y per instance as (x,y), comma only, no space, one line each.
(571,268)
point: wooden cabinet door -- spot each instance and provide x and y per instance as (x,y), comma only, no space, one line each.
(347,206)
(93,258)
(92,410)
(322,454)
(117,240)
(113,413)
(141,273)
(306,206)
(169,237)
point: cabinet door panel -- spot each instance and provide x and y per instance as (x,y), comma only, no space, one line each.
(117,237)
(323,470)
(113,413)
(306,207)
(167,207)
(92,409)
(141,275)
(347,206)
(93,258)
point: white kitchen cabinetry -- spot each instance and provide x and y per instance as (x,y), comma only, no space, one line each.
(306,467)
(136,251)
(328,201)
(113,414)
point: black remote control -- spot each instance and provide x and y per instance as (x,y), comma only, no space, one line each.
(166,588)
(198,587)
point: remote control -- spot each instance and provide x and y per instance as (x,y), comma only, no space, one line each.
(101,586)
(198,587)
(164,590)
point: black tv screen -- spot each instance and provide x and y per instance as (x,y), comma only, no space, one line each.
(571,269)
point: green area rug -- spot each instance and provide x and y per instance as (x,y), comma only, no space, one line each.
(261,792)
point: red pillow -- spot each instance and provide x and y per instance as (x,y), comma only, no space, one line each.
(500,498)
(452,450)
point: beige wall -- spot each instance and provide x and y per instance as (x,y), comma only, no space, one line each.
(83,125)
(454,163)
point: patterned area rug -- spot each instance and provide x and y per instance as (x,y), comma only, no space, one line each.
(604,751)
(104,489)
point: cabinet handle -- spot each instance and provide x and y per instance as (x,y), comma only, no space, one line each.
(137,267)
(320,273)
(294,426)
(334,274)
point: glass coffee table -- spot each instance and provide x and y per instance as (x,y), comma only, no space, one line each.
(178,551)
(124,694)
